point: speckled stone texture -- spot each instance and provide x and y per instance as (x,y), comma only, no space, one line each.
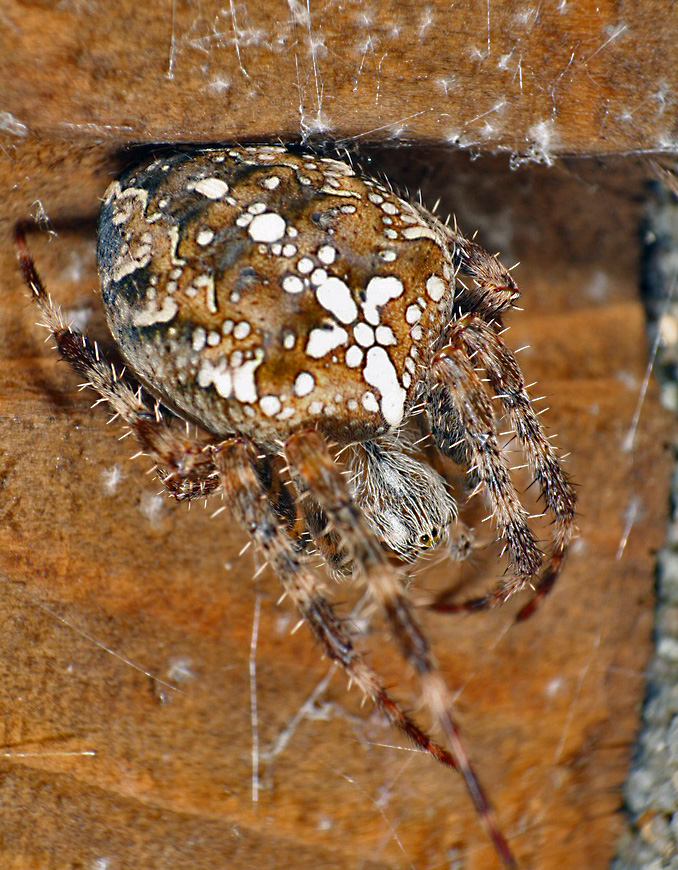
(651,792)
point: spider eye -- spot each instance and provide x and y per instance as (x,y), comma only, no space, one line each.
(428,540)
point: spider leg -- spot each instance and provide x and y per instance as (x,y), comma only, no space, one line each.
(484,345)
(311,463)
(248,499)
(325,539)
(491,290)
(463,426)
(184,465)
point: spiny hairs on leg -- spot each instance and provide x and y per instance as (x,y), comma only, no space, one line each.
(473,339)
(184,467)
(456,386)
(236,461)
(312,465)
(506,379)
(491,290)
(75,349)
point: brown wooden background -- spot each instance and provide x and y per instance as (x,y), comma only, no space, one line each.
(103,767)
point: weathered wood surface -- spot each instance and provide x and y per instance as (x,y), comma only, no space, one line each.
(535,79)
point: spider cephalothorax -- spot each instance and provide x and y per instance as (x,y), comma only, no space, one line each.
(310,320)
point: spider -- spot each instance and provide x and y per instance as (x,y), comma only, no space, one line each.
(316,326)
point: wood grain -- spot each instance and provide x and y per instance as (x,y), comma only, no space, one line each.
(534,79)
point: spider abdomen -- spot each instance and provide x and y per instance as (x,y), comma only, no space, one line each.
(264,292)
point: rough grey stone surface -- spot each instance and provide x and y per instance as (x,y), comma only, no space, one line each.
(651,792)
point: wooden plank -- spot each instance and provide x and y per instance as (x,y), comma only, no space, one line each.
(535,80)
